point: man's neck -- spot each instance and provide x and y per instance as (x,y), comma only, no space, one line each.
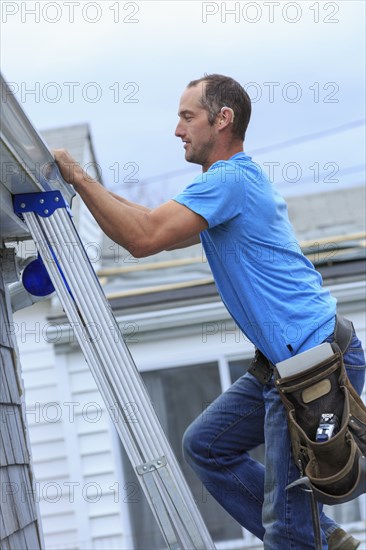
(223,155)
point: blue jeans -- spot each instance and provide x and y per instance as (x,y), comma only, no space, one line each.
(216,446)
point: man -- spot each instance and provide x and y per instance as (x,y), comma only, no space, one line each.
(271,290)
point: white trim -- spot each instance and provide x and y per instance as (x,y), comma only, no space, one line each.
(224,372)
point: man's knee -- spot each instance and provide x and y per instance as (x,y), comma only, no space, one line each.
(192,442)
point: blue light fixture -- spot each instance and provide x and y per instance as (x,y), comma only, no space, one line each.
(36,280)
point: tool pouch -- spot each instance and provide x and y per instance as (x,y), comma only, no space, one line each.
(336,467)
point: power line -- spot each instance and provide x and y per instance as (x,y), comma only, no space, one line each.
(275,147)
(310,137)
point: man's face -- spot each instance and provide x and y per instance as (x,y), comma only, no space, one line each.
(193,127)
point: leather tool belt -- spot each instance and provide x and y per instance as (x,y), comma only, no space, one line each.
(336,467)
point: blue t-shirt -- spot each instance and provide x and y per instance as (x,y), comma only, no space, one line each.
(271,290)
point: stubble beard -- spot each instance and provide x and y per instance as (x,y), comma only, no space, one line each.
(201,154)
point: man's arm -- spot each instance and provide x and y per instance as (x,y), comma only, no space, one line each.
(189,242)
(185,244)
(129,203)
(138,229)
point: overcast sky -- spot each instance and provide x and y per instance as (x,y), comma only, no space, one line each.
(122,66)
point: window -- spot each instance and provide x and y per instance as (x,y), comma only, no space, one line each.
(179,395)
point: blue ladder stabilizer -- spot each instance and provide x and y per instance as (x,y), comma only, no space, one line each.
(44,204)
(35,277)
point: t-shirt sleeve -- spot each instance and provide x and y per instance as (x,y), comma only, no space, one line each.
(216,195)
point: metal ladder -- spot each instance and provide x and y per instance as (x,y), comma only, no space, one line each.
(48,219)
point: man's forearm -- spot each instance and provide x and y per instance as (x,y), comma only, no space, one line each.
(124,222)
(129,203)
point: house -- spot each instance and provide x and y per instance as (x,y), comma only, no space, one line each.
(188,351)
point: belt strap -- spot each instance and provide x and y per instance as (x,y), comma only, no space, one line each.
(262,368)
(343,332)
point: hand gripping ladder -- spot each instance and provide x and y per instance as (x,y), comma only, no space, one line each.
(48,219)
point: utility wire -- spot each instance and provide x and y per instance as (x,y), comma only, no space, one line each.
(261,150)
(310,137)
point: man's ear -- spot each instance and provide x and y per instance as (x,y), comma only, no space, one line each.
(228,112)
(226,116)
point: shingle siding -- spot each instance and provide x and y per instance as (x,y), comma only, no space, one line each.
(25,539)
(18,516)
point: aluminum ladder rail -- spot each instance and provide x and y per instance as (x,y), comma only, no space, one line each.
(48,219)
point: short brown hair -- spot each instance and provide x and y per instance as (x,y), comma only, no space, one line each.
(223,91)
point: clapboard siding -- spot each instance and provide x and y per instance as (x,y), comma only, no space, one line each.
(46,431)
(104,526)
(92,419)
(48,450)
(19,514)
(92,463)
(64,540)
(112,543)
(53,469)
(100,479)
(45,357)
